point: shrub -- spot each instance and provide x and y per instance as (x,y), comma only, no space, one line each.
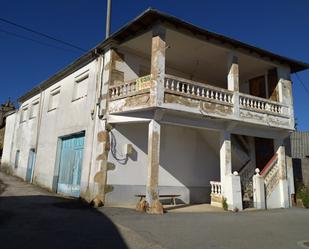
(303,194)
(6,168)
(224,204)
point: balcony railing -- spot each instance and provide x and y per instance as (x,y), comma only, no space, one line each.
(187,95)
(197,90)
(130,88)
(261,105)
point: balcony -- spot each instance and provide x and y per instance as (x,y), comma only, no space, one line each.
(185,95)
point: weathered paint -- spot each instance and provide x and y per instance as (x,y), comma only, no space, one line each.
(233,73)
(152,195)
(71,160)
(157,66)
(136,102)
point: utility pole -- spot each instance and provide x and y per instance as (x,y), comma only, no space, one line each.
(108,18)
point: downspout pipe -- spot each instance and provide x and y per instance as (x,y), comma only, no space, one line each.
(38,129)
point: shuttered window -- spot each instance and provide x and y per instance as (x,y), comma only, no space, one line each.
(80,86)
(23,114)
(54,99)
(34,109)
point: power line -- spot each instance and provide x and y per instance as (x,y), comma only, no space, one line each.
(42,34)
(33,40)
(302,83)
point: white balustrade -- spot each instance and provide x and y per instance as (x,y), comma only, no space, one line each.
(201,92)
(197,90)
(260,104)
(216,188)
(122,90)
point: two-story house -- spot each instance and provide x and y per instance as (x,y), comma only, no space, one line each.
(161,107)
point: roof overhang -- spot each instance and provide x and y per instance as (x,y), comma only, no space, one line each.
(144,23)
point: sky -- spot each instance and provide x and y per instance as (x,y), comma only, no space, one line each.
(281,26)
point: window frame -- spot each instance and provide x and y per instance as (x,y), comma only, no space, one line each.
(79,79)
(24,113)
(34,103)
(52,94)
(17,158)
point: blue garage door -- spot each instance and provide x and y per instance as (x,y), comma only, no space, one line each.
(70,165)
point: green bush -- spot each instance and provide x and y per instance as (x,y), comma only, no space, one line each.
(303,194)
(224,204)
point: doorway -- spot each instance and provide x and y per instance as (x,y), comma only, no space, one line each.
(70,164)
(30,166)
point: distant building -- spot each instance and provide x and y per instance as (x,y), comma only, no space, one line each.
(4,110)
(161,107)
(298,147)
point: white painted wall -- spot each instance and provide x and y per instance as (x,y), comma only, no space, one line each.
(189,159)
(70,117)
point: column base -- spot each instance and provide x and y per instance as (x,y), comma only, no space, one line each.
(156,208)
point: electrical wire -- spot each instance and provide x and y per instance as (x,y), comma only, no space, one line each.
(302,83)
(41,34)
(34,40)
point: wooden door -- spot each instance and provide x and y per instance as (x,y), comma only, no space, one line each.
(258,87)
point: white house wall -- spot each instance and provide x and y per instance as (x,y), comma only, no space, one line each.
(187,163)
(132,64)
(70,117)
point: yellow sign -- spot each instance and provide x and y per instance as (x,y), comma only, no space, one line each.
(143,82)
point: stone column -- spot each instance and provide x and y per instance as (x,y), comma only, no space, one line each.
(258,192)
(152,194)
(158,47)
(285,92)
(283,198)
(225,155)
(233,80)
(102,144)
(283,182)
(230,183)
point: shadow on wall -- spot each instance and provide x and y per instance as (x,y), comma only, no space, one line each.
(189,159)
(53,222)
(191,156)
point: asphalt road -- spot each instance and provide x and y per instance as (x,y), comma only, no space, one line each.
(31,217)
(273,229)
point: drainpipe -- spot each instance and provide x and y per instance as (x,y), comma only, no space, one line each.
(97,107)
(38,129)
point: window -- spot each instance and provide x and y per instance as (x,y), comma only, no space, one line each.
(34,109)
(23,114)
(54,99)
(81,86)
(16,159)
